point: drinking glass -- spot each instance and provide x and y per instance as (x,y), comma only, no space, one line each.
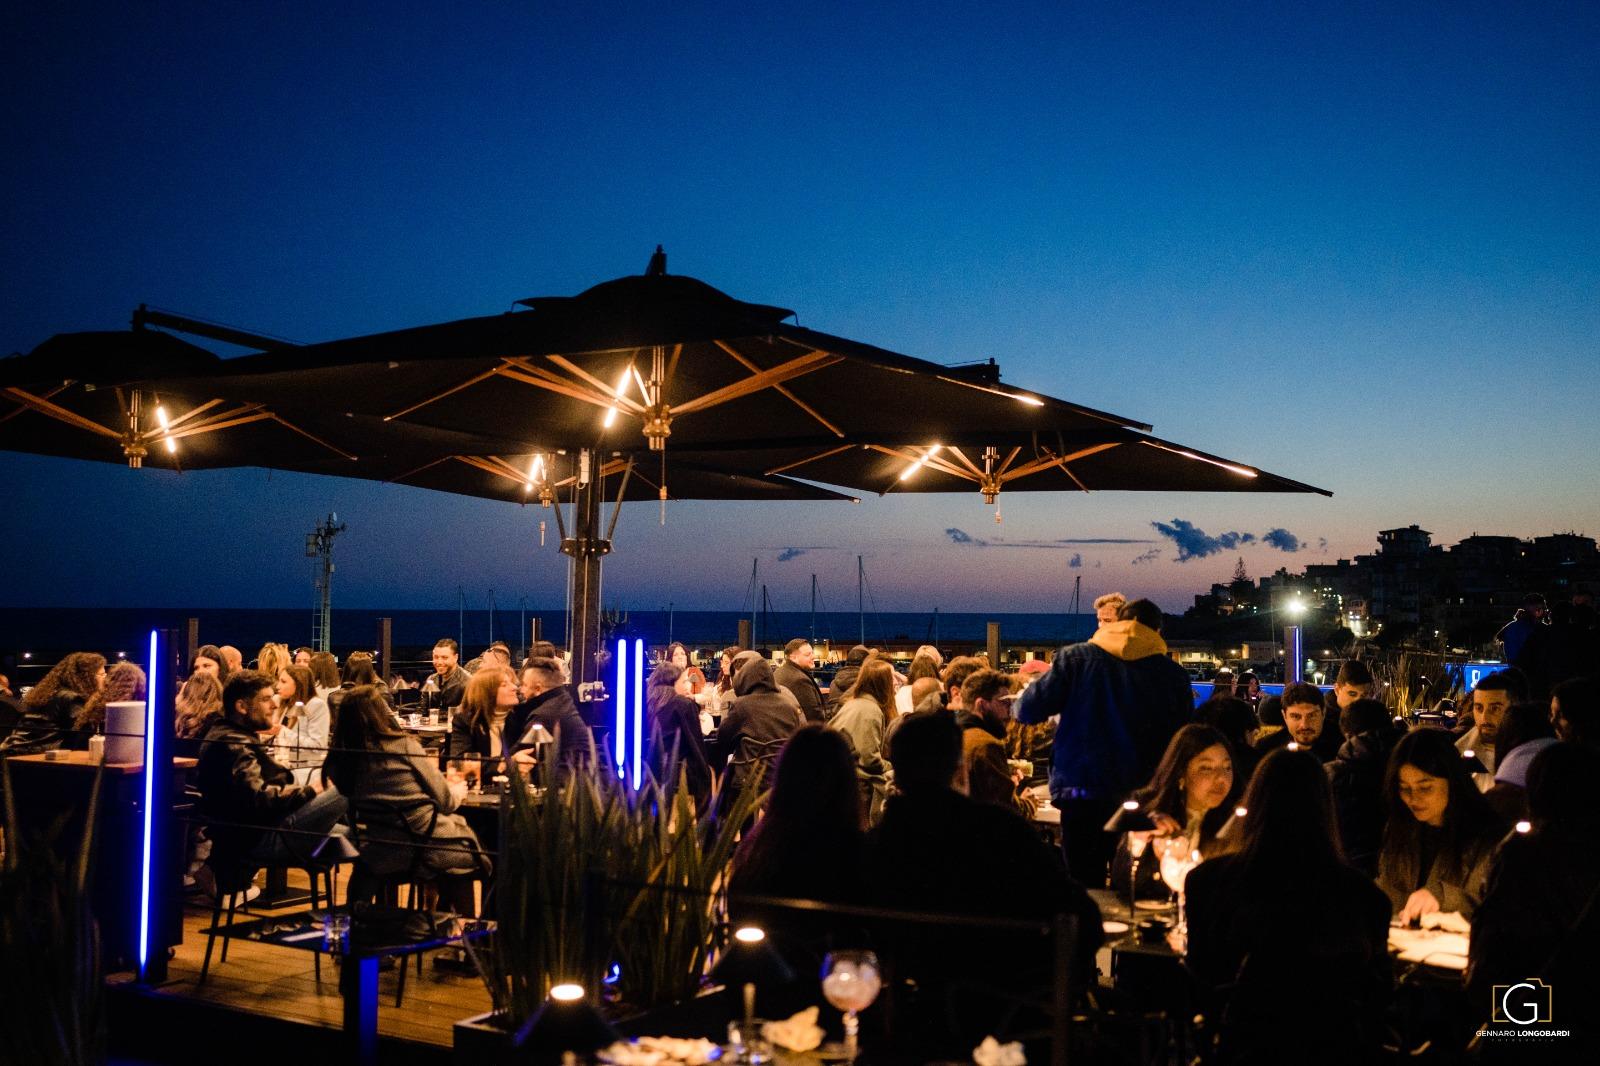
(335,928)
(850,982)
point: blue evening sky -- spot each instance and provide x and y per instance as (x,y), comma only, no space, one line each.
(1354,244)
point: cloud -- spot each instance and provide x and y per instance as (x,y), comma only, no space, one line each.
(1196,543)
(1101,540)
(1281,539)
(1076,562)
(1152,554)
(961,536)
(790,553)
(1322,544)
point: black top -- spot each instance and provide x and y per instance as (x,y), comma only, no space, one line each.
(555,710)
(47,726)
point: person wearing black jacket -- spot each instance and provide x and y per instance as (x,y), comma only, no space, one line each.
(447,685)
(675,725)
(547,702)
(1306,723)
(258,813)
(1356,776)
(937,851)
(794,674)
(1288,944)
(756,725)
(53,710)
(844,680)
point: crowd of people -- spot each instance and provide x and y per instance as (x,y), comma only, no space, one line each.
(1310,821)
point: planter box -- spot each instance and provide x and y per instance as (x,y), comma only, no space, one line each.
(482,1040)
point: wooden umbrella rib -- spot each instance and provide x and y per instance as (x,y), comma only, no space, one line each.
(779,389)
(677,353)
(968,463)
(239,416)
(1009,459)
(173,423)
(429,465)
(1061,461)
(927,460)
(313,438)
(492,465)
(810,459)
(543,379)
(71,418)
(22,407)
(570,367)
(451,391)
(794,368)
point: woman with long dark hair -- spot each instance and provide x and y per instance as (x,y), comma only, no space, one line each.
(808,844)
(324,672)
(208,659)
(396,789)
(52,710)
(675,726)
(1441,832)
(1288,945)
(1190,797)
(864,717)
(304,722)
(478,728)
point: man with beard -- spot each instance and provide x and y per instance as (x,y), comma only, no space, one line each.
(1490,700)
(1305,724)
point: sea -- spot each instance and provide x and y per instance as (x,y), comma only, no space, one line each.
(44,634)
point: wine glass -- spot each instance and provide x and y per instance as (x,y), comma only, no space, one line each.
(850,982)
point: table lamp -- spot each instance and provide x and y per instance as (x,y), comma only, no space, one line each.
(1131,818)
(567,1023)
(750,960)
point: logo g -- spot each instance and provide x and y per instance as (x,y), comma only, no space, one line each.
(1524,1003)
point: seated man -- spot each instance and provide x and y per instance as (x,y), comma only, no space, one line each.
(985,709)
(939,852)
(1492,697)
(546,702)
(259,814)
(447,685)
(1305,724)
(1353,682)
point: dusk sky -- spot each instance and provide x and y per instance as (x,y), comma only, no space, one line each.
(1359,248)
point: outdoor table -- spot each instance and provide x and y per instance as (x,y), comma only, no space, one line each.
(1434,949)
(361,956)
(49,784)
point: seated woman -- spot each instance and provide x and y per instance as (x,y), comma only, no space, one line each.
(1190,798)
(675,726)
(1288,945)
(302,739)
(807,846)
(199,703)
(1541,884)
(477,731)
(357,671)
(863,718)
(52,710)
(395,789)
(1441,832)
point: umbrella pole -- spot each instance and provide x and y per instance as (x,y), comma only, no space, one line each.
(586,548)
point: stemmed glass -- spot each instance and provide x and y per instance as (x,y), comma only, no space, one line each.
(850,982)
(1176,862)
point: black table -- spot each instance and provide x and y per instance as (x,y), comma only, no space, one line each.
(376,933)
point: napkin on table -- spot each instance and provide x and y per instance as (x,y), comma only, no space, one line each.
(993,1053)
(799,1033)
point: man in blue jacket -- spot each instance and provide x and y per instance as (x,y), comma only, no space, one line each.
(1120,699)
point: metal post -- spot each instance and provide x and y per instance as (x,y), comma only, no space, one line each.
(586,549)
(1294,659)
(385,643)
(745,640)
(994,645)
(192,645)
(535,633)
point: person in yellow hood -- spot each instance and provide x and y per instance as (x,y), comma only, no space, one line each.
(1120,699)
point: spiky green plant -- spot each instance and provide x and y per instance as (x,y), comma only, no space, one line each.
(50,987)
(594,872)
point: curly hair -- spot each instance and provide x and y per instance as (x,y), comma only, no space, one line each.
(199,704)
(77,675)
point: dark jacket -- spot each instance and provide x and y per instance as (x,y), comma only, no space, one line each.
(555,710)
(756,725)
(1325,747)
(1259,961)
(1356,776)
(844,679)
(1528,926)
(240,783)
(675,721)
(448,693)
(1120,700)
(47,726)
(800,682)
(983,749)
(946,853)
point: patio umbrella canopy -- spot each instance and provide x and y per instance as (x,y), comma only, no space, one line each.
(655,386)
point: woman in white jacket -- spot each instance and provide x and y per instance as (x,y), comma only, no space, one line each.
(302,740)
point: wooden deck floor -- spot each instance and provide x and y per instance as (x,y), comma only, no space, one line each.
(279,983)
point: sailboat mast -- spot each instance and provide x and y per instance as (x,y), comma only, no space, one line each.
(861,600)
(813,608)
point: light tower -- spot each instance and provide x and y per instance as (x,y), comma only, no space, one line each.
(319,546)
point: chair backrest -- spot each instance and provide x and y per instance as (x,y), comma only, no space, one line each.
(752,764)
